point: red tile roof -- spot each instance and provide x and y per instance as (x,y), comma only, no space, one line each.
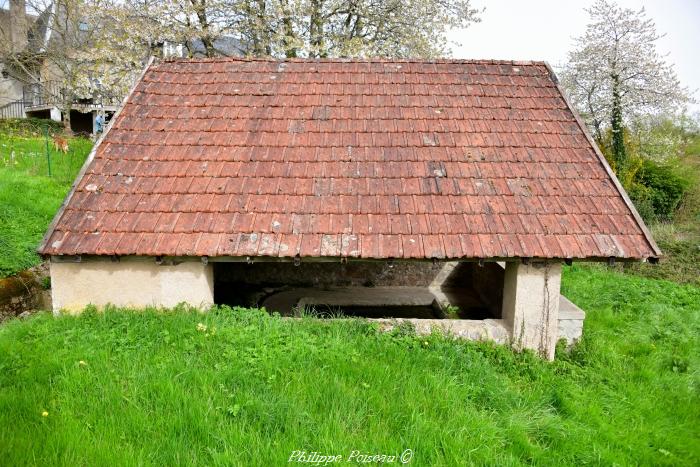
(370,159)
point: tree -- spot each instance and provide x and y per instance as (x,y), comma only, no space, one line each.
(80,57)
(78,51)
(99,46)
(308,28)
(615,75)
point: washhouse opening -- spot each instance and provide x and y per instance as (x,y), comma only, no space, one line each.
(408,289)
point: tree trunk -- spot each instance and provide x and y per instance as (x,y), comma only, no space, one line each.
(316,29)
(616,124)
(289,36)
(265,49)
(65,101)
(209,46)
(256,28)
(66,118)
(200,9)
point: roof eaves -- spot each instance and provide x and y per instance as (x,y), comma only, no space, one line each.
(88,161)
(640,222)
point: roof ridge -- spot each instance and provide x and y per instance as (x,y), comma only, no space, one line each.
(358,60)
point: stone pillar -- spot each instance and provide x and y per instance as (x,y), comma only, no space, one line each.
(531,305)
(55,114)
(130,282)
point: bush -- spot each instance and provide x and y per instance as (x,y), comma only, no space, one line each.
(657,190)
(29,127)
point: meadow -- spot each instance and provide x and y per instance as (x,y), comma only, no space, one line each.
(29,196)
(242,387)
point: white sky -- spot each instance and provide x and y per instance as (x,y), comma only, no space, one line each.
(544,30)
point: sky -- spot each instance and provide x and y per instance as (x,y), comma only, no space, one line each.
(545,29)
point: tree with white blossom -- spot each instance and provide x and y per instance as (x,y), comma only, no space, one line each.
(85,50)
(616,76)
(306,28)
(101,45)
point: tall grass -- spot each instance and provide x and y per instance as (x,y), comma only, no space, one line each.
(240,387)
(679,240)
(33,156)
(29,198)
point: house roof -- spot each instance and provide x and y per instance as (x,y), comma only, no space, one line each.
(348,158)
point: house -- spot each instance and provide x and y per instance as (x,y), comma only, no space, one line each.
(321,182)
(224,45)
(20,32)
(30,85)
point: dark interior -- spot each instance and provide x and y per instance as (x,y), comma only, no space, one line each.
(476,292)
(81,123)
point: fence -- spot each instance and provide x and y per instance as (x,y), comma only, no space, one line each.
(38,148)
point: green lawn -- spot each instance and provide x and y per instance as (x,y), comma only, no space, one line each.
(29,198)
(239,387)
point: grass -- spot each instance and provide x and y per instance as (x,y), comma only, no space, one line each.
(30,127)
(240,387)
(28,155)
(680,240)
(29,198)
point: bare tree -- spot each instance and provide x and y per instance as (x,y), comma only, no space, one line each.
(616,75)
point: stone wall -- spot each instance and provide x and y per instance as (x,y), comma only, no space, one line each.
(327,274)
(130,282)
(24,292)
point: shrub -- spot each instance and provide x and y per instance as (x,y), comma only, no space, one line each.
(657,190)
(29,127)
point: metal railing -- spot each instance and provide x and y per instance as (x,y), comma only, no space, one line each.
(14,109)
(43,94)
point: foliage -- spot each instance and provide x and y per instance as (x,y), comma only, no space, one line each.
(33,127)
(654,174)
(626,172)
(660,187)
(661,139)
(615,75)
(28,197)
(303,28)
(78,57)
(241,387)
(680,240)
(688,214)
(680,263)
